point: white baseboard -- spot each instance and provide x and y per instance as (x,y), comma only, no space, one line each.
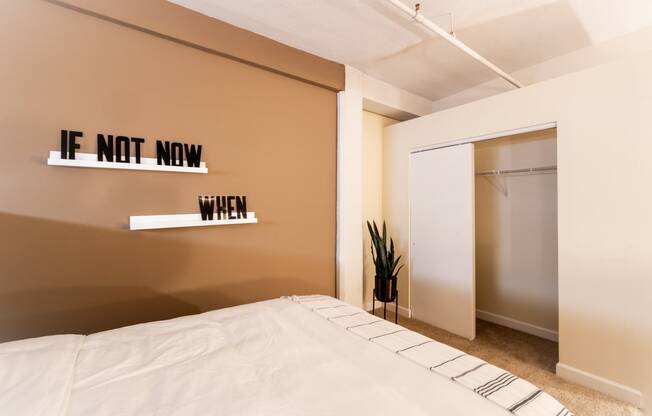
(603,385)
(518,325)
(402,310)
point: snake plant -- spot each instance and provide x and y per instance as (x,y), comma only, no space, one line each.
(385,260)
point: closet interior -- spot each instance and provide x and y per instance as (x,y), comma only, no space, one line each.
(483,231)
(516,232)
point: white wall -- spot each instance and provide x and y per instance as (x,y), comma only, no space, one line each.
(388,100)
(617,48)
(604,143)
(349,190)
(516,233)
(372,188)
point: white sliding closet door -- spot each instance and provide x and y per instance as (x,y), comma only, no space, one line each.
(442,234)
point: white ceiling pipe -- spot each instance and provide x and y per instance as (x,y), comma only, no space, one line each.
(417,16)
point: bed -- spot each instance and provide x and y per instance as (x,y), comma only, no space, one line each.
(299,355)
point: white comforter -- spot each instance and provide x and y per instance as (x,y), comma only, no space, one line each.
(269,358)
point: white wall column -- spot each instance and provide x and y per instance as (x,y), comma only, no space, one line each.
(349,190)
(361,92)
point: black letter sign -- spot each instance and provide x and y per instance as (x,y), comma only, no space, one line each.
(177,154)
(122,149)
(68,143)
(137,142)
(206,207)
(193,155)
(241,206)
(162,152)
(104,148)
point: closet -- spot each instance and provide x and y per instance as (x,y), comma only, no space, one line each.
(483,234)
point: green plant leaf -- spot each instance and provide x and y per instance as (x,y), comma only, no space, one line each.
(394,272)
(399,269)
(384,233)
(385,261)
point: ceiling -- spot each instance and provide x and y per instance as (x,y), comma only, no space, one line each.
(378,39)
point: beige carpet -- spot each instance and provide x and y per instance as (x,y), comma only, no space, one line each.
(528,357)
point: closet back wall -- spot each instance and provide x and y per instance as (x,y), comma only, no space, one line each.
(68,262)
(516,230)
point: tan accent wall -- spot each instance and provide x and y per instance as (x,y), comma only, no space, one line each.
(68,262)
(188,27)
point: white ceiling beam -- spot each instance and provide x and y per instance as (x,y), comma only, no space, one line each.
(428,24)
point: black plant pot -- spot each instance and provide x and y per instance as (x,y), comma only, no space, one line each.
(386,289)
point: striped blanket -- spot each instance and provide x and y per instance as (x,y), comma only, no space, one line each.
(495,384)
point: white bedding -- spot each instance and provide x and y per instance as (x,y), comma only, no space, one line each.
(36,375)
(276,357)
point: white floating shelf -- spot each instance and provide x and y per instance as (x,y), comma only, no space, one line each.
(89,160)
(150,222)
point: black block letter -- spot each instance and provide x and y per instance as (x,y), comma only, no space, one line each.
(64,144)
(177,154)
(241,206)
(104,148)
(206,207)
(221,207)
(193,155)
(122,149)
(137,142)
(229,206)
(162,152)
(72,144)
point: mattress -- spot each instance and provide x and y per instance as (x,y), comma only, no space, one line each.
(311,355)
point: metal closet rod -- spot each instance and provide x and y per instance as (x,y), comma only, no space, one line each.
(522,170)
